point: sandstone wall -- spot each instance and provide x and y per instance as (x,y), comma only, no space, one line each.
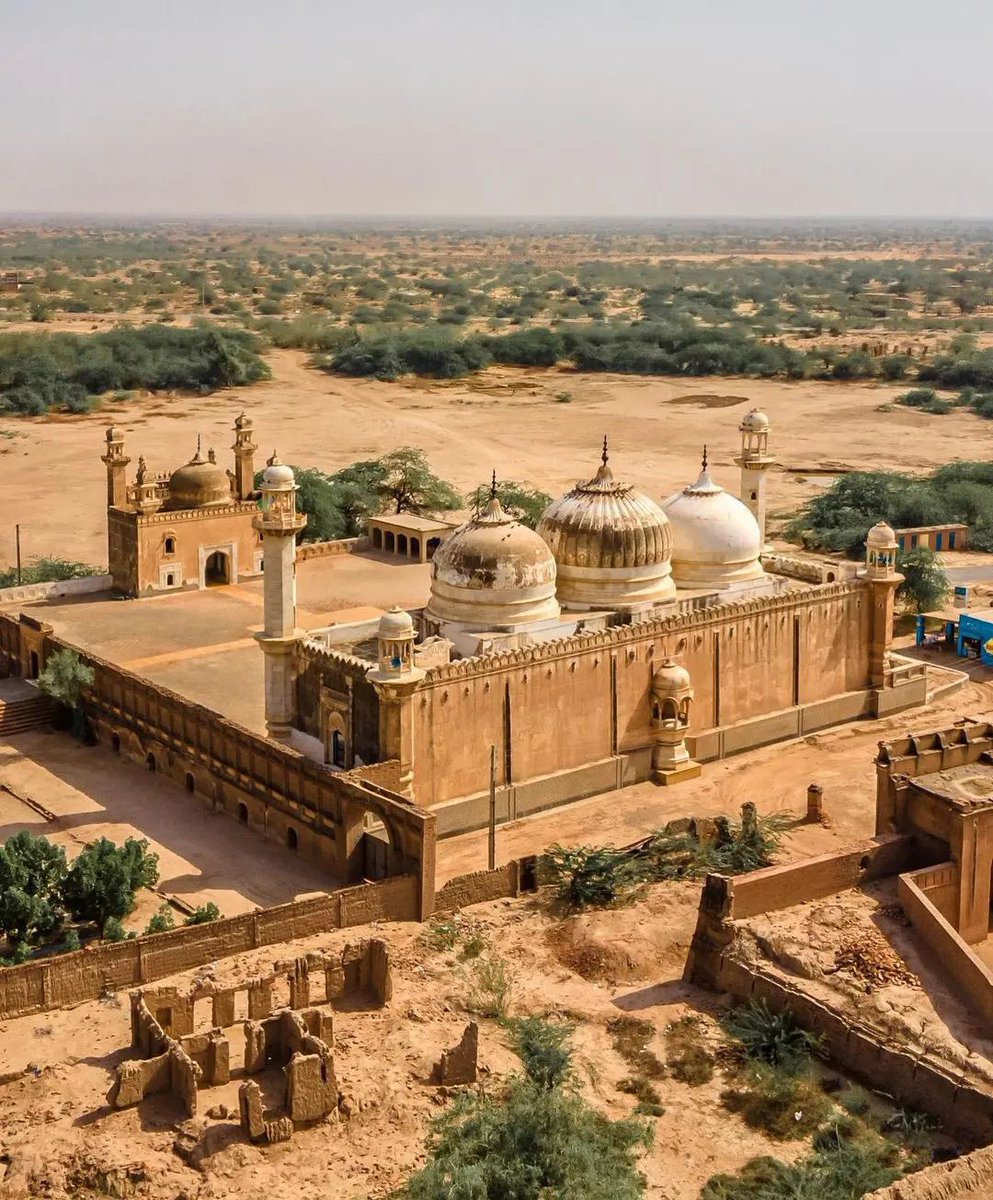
(87,974)
(747,660)
(967,1178)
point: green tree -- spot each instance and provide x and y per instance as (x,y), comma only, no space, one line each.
(104,879)
(538,1138)
(409,485)
(522,501)
(204,914)
(925,584)
(31,869)
(65,678)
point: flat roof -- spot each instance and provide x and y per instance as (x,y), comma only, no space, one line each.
(929,528)
(985,615)
(410,521)
(968,786)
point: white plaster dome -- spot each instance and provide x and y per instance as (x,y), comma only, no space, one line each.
(395,623)
(198,484)
(881,537)
(493,573)
(716,542)
(755,421)
(277,477)
(612,545)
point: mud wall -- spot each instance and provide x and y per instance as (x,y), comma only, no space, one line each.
(774,888)
(967,1178)
(87,974)
(973,979)
(913,1080)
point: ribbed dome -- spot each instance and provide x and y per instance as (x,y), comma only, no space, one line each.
(493,573)
(881,537)
(198,484)
(612,545)
(716,541)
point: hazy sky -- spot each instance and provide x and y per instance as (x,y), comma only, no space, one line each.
(545,107)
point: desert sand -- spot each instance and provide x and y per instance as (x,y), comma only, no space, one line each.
(504,419)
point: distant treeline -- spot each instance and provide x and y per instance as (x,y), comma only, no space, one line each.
(43,371)
(638,348)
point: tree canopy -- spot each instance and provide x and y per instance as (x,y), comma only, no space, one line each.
(65,677)
(337,504)
(925,584)
(103,880)
(839,518)
(520,500)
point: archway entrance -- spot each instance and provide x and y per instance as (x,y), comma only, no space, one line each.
(338,748)
(369,847)
(217,569)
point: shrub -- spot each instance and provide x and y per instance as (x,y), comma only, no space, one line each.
(591,877)
(103,880)
(161,921)
(774,1039)
(488,993)
(543,1048)
(114,931)
(783,1103)
(72,941)
(688,1058)
(204,914)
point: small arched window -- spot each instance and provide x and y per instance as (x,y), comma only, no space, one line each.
(170,545)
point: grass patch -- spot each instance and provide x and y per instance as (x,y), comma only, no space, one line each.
(772,1039)
(489,988)
(785,1105)
(631,1036)
(687,1056)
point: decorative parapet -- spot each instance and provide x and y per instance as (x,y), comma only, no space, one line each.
(311,649)
(645,631)
(177,515)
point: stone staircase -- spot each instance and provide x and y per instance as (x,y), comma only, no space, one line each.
(23,709)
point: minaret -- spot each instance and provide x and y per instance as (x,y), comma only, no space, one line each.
(279,523)
(395,678)
(881,574)
(755,461)
(244,463)
(117,464)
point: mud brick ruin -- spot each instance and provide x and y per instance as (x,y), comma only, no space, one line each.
(298,1039)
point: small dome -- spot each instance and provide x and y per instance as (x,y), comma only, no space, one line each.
(277,477)
(395,623)
(242,421)
(114,434)
(198,484)
(716,541)
(881,537)
(611,544)
(670,679)
(493,573)
(755,421)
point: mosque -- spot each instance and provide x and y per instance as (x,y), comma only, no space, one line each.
(623,639)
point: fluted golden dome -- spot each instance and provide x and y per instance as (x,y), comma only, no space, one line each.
(198,484)
(611,543)
(493,573)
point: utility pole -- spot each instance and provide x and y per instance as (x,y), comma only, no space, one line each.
(17,541)
(491,857)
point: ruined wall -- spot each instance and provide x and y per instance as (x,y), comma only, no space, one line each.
(87,974)
(972,978)
(746,659)
(967,1178)
(780,887)
(912,1079)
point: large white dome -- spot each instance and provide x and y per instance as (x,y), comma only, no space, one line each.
(611,545)
(492,573)
(716,542)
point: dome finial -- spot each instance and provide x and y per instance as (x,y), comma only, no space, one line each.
(604,456)
(705,456)
(493,486)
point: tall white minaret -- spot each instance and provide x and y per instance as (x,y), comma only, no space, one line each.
(755,460)
(279,523)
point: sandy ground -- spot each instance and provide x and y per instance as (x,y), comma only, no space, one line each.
(504,419)
(203,856)
(588,970)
